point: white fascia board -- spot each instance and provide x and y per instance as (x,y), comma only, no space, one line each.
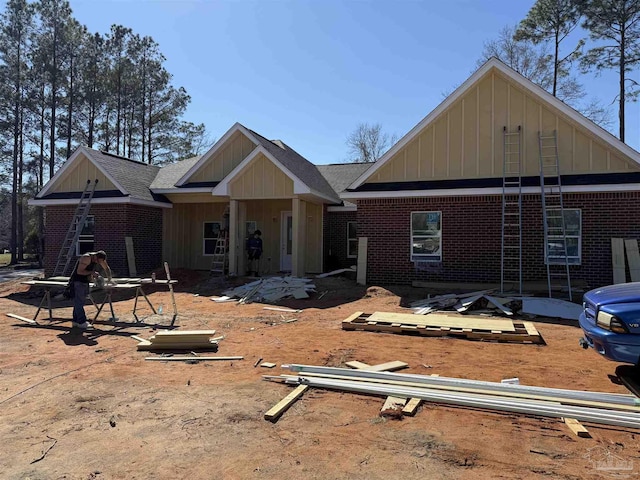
(217,146)
(460,192)
(97,201)
(343,208)
(182,190)
(299,187)
(323,196)
(526,84)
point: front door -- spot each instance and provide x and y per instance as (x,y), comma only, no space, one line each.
(286,241)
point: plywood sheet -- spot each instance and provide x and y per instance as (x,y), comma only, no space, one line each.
(617,258)
(633,257)
(435,320)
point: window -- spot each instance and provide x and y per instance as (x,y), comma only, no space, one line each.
(250,227)
(352,240)
(555,246)
(86,240)
(210,234)
(426,236)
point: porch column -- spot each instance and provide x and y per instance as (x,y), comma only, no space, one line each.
(242,254)
(233,237)
(299,224)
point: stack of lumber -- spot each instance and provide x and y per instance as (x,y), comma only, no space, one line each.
(439,325)
(181,340)
(595,407)
(270,289)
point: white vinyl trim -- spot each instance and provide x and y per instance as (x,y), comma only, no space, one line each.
(182,190)
(460,192)
(98,201)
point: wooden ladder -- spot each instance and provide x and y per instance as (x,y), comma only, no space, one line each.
(220,261)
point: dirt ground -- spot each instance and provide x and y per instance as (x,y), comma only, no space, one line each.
(96,409)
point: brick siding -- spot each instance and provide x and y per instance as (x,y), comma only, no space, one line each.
(471,237)
(112,224)
(335,240)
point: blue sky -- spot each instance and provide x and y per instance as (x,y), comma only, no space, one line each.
(309,71)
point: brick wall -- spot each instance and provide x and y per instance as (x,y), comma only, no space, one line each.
(335,240)
(471,237)
(112,224)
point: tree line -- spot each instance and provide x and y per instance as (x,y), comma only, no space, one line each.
(62,86)
(556,41)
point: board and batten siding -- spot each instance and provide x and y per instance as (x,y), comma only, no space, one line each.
(183,233)
(225,160)
(261,179)
(75,180)
(466,140)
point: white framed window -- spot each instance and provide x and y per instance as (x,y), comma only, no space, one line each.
(86,240)
(352,240)
(210,233)
(426,236)
(555,246)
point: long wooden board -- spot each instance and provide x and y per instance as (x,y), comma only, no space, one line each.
(633,257)
(383,367)
(617,259)
(436,320)
(284,404)
(131,258)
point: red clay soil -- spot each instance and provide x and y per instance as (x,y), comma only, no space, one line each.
(88,406)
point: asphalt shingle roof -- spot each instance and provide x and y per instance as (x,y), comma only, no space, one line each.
(170,174)
(341,175)
(135,177)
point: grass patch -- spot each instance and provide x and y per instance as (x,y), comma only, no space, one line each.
(5,258)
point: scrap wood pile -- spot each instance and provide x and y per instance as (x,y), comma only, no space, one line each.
(485,302)
(439,325)
(181,340)
(594,407)
(269,290)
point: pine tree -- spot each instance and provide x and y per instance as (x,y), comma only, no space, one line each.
(615,25)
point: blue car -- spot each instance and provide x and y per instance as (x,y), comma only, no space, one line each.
(611,322)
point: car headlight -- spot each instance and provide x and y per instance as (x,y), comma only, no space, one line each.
(610,322)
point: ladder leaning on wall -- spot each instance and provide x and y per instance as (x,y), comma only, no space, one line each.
(511,256)
(553,218)
(220,261)
(67,251)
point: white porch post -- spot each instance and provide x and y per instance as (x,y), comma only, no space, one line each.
(299,214)
(233,237)
(242,220)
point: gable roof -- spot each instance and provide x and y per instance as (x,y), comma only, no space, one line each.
(131,178)
(525,84)
(299,166)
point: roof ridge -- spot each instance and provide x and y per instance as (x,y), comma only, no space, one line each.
(126,158)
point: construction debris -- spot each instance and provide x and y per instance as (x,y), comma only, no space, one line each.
(484,302)
(267,365)
(181,340)
(271,290)
(351,269)
(440,325)
(594,407)
(192,359)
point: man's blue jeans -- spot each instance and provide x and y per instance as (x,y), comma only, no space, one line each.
(80,292)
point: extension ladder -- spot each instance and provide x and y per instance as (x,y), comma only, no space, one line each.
(511,255)
(67,251)
(553,215)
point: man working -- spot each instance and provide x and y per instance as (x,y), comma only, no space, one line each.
(254,250)
(82,275)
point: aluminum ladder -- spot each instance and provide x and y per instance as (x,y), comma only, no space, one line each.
(553,218)
(67,252)
(220,261)
(511,255)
